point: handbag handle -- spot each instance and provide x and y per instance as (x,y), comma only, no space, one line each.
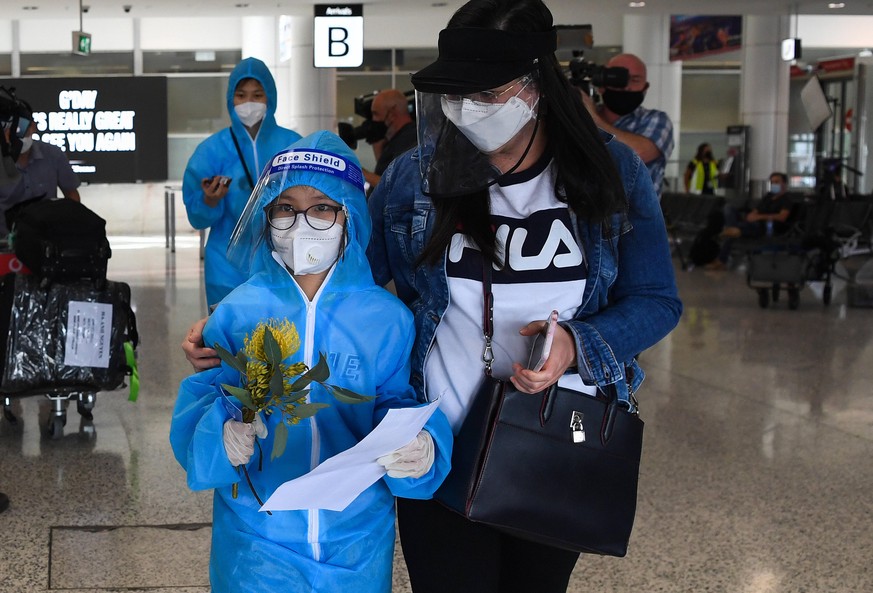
(548,394)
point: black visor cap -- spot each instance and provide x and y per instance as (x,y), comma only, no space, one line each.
(472,59)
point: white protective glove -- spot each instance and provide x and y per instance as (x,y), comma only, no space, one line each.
(412,460)
(239,439)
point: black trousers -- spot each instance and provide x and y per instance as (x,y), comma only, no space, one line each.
(446,553)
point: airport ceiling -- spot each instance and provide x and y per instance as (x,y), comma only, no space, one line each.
(442,9)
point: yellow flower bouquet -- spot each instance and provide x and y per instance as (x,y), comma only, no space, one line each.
(271,385)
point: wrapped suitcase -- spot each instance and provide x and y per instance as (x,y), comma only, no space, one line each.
(60,240)
(70,339)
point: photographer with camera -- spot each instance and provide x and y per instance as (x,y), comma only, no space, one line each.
(390,109)
(649,132)
(42,169)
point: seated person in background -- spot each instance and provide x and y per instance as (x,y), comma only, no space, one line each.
(43,168)
(774,208)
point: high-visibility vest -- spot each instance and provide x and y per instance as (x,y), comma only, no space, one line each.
(698,178)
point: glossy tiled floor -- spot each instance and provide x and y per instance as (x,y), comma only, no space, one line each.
(756,478)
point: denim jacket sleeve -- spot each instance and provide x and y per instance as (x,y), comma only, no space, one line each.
(631,301)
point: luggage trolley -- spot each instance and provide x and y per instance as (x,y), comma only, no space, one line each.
(773,268)
(84,395)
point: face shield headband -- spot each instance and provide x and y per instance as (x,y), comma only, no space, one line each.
(289,168)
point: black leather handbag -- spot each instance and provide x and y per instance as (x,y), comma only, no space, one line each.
(558,467)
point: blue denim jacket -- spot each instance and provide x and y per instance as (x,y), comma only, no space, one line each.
(630,300)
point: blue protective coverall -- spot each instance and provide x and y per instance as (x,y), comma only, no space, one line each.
(217,155)
(366,334)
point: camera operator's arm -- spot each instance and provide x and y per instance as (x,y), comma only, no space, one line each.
(647,150)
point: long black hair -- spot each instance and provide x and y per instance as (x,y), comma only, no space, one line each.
(587,179)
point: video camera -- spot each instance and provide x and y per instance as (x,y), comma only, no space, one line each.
(369,130)
(588,75)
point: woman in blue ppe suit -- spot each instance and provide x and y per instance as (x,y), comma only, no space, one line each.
(319,280)
(238,154)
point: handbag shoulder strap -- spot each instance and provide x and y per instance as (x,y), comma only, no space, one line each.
(241,159)
(487,315)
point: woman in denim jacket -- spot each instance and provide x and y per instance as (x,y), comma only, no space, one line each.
(512,175)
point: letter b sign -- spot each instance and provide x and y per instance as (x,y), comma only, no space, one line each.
(338,39)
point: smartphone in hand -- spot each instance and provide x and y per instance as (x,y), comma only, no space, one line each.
(542,345)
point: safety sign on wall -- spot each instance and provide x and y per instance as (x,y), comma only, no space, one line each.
(338,39)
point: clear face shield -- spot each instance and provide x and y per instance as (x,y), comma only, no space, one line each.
(460,137)
(264,216)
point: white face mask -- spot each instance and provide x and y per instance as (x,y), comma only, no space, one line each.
(488,126)
(26,143)
(305,250)
(250,113)
(775,188)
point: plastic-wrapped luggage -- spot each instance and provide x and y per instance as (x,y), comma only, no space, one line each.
(69,334)
(60,240)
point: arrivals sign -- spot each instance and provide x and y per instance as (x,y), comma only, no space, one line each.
(113,129)
(338,36)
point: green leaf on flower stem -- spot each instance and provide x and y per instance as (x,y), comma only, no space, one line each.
(347,396)
(277,384)
(308,410)
(318,374)
(280,439)
(242,395)
(230,360)
(271,348)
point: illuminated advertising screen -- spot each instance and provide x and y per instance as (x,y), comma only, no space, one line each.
(698,36)
(114,130)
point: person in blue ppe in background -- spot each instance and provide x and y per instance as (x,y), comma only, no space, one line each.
(221,173)
(303,235)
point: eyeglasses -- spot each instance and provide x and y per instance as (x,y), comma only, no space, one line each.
(492,96)
(319,216)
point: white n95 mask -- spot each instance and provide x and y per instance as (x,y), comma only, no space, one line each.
(488,126)
(250,113)
(305,250)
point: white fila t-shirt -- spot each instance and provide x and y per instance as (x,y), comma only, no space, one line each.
(544,270)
